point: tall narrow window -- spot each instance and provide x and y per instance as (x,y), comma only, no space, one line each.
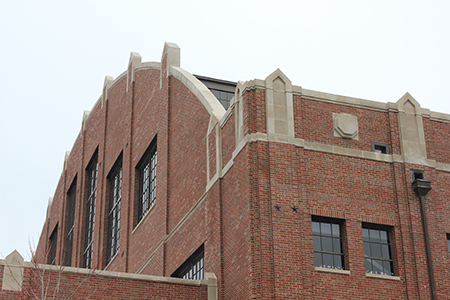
(91,195)
(377,250)
(53,241)
(194,267)
(115,197)
(71,198)
(327,240)
(448,244)
(147,180)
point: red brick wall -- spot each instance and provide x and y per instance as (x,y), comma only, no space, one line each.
(255,222)
(93,286)
(237,215)
(149,120)
(314,122)
(254,111)
(437,136)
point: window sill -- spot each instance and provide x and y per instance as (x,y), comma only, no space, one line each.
(395,278)
(345,272)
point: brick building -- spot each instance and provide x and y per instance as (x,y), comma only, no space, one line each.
(280,191)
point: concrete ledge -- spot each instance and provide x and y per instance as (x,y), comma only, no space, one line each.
(395,278)
(227,167)
(149,65)
(328,270)
(253,84)
(440,117)
(443,167)
(332,149)
(121,275)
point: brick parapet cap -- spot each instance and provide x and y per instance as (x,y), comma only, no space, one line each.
(118,275)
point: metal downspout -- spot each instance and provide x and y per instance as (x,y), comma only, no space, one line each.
(421,187)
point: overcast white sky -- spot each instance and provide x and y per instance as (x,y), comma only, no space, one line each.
(54,56)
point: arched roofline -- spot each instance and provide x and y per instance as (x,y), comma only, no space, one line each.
(206,97)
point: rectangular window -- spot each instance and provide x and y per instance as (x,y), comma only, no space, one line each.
(146,169)
(91,195)
(194,267)
(53,241)
(380,148)
(377,250)
(115,197)
(71,198)
(327,240)
(448,244)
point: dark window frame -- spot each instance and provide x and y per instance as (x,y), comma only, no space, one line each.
(224,97)
(114,210)
(219,85)
(147,175)
(417,174)
(376,148)
(378,250)
(322,241)
(194,267)
(448,244)
(70,223)
(53,243)
(91,196)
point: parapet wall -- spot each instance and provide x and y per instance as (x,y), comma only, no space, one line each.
(27,280)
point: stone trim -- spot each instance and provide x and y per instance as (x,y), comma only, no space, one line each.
(443,167)
(143,218)
(210,278)
(13,272)
(439,117)
(279,106)
(227,114)
(338,150)
(345,126)
(49,209)
(66,157)
(172,51)
(86,115)
(118,79)
(237,104)
(206,97)
(410,123)
(327,270)
(227,167)
(112,259)
(395,278)
(148,65)
(212,286)
(135,60)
